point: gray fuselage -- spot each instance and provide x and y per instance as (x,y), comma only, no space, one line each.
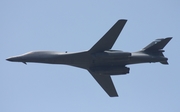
(87,60)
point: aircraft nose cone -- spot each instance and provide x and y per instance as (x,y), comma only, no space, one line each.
(13,59)
(9,59)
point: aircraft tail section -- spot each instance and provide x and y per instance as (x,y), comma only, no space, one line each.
(156,48)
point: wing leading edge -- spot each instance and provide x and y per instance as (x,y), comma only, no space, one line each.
(108,40)
(106,83)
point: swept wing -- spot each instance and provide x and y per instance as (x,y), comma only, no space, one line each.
(108,40)
(106,83)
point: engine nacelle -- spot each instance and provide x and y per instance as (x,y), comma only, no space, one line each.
(111,70)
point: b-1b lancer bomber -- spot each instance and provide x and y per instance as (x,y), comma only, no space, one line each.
(100,60)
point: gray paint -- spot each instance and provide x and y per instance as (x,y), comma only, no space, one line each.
(100,60)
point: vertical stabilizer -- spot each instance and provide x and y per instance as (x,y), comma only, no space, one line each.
(157,45)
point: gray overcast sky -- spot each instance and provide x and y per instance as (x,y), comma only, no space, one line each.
(28,25)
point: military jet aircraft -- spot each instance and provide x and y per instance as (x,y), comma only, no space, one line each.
(100,60)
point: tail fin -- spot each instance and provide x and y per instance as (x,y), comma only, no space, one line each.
(156,48)
(157,45)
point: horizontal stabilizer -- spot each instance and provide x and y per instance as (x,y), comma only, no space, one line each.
(157,45)
(164,62)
